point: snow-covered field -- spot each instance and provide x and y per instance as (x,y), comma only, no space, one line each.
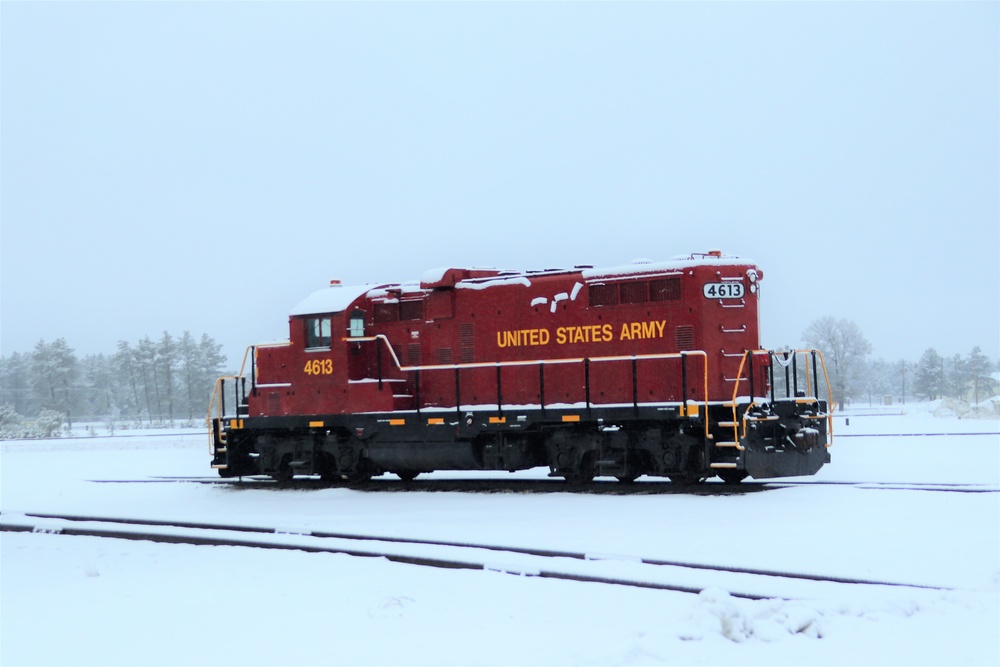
(70,600)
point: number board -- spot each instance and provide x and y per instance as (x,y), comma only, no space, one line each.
(731,290)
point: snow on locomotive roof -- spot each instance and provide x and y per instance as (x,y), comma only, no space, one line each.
(337,298)
(332,299)
(677,263)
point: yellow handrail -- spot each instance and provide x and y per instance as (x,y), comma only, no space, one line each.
(809,388)
(214,404)
(535,362)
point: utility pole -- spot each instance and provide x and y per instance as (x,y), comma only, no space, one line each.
(902,366)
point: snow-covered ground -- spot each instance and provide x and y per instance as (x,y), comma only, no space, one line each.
(86,601)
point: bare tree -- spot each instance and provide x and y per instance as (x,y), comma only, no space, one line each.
(845,349)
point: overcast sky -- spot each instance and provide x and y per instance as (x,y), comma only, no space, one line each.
(204,166)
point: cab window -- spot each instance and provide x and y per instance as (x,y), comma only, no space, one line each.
(318,332)
(357,324)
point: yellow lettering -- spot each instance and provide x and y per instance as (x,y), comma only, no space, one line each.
(660,326)
(561,335)
(523,337)
(648,329)
(637,330)
(319,367)
(609,333)
(625,332)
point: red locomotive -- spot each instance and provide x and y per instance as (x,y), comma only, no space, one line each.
(653,368)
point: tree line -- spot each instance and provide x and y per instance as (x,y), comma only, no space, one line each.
(148,382)
(855,376)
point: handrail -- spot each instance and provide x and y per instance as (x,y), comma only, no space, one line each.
(771,355)
(216,402)
(546,362)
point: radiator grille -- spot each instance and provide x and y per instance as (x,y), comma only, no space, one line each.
(635,292)
(665,289)
(604,295)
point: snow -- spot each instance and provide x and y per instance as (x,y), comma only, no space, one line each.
(432,276)
(675,264)
(497,281)
(79,600)
(332,299)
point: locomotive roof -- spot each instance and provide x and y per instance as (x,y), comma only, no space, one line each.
(337,298)
(677,263)
(332,299)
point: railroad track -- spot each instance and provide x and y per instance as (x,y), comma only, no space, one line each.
(607,569)
(600,487)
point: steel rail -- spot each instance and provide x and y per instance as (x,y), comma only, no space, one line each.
(417,560)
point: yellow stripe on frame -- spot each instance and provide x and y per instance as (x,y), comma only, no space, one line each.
(571,418)
(435,421)
(498,420)
(316,424)
(397,422)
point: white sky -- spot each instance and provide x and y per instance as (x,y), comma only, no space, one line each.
(205,166)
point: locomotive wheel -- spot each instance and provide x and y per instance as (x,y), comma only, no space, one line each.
(407,475)
(626,479)
(580,477)
(362,473)
(732,476)
(283,473)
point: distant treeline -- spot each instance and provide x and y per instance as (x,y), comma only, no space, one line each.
(854,375)
(161,381)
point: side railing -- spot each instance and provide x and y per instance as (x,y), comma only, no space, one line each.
(688,408)
(217,403)
(788,360)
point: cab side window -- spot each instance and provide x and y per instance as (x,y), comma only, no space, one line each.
(318,332)
(357,324)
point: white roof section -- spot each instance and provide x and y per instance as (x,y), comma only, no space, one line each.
(676,264)
(332,299)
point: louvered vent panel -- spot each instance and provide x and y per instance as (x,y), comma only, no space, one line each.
(604,295)
(635,292)
(386,312)
(274,403)
(467,343)
(444,355)
(684,337)
(411,310)
(665,289)
(413,354)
